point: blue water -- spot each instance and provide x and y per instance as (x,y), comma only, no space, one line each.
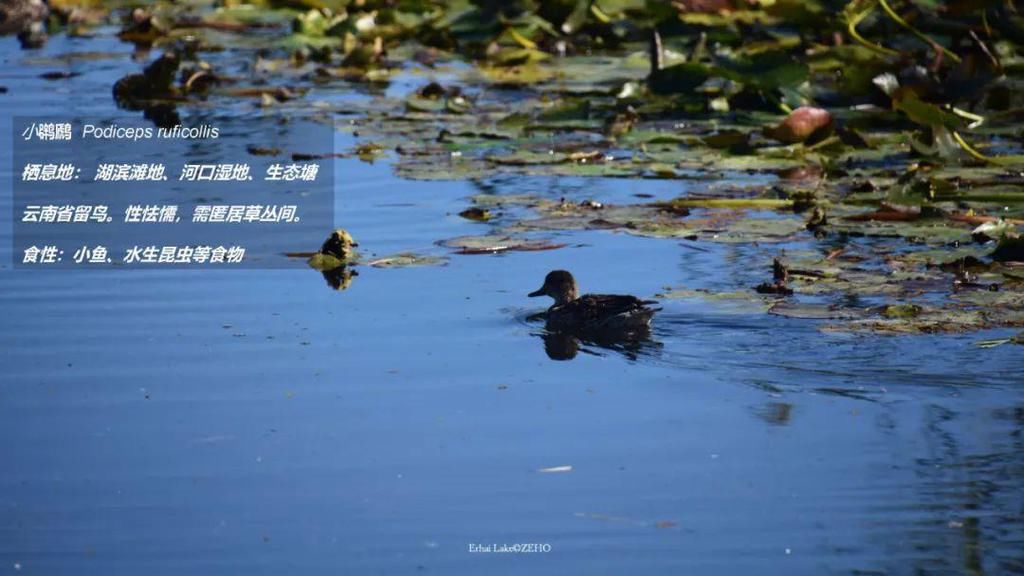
(259,422)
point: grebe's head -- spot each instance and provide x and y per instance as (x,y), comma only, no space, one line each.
(339,244)
(558,284)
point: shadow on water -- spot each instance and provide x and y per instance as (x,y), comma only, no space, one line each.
(339,278)
(565,346)
(562,345)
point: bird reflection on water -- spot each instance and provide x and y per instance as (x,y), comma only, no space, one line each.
(339,278)
(562,345)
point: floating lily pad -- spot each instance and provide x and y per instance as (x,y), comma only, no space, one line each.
(740,302)
(406,260)
(323,262)
(811,311)
(906,191)
(494,244)
(1017,339)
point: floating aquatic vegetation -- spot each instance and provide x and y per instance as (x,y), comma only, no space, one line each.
(406,260)
(1017,339)
(882,139)
(816,311)
(322,262)
(26,19)
(369,151)
(493,244)
(738,301)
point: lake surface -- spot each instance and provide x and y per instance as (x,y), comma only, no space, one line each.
(260,422)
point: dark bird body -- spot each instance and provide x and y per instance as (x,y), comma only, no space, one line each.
(601,313)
